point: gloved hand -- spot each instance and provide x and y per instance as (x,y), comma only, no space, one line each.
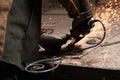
(80,28)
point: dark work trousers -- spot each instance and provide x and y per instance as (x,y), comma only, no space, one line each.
(22,33)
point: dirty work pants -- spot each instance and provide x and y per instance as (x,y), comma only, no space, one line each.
(22,33)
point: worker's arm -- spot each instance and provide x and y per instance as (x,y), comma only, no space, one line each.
(81,12)
(77,8)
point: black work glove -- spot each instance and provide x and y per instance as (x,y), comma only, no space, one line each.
(80,28)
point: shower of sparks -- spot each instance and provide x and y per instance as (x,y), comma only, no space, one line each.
(109,14)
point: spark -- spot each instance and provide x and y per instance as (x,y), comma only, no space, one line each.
(109,14)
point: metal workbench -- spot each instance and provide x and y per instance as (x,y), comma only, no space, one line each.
(101,60)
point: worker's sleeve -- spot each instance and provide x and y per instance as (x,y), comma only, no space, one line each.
(22,33)
(81,12)
(76,8)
